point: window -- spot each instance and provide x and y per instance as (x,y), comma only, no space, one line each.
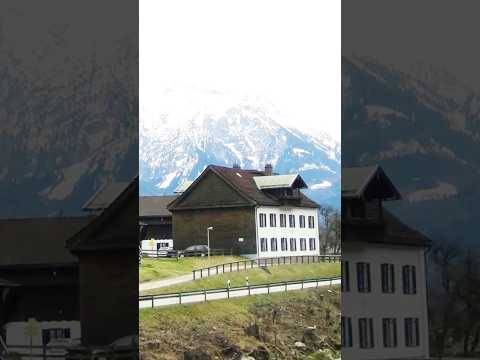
(409,279)
(283,220)
(389,326)
(311,222)
(312,243)
(365,332)
(412,337)
(263,220)
(388,278)
(345,276)
(283,244)
(303,244)
(363,277)
(273,220)
(293,244)
(291,221)
(263,244)
(346,331)
(301,220)
(273,244)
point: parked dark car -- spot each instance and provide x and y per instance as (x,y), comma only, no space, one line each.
(194,250)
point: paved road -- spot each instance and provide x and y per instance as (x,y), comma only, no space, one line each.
(157,284)
(188,299)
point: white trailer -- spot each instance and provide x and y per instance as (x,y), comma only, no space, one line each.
(156,247)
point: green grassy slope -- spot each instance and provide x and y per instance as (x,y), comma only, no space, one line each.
(157,269)
(256,276)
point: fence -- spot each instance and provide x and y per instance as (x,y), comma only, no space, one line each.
(222,293)
(250,264)
(156,254)
(54,352)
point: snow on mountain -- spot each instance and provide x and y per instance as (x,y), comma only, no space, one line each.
(196,129)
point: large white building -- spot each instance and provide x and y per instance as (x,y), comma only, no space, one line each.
(251,212)
(384,300)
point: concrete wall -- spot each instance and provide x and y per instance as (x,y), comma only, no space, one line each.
(287,232)
(378,305)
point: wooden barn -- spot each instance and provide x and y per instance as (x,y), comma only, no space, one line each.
(107,252)
(39,279)
(156,222)
(251,212)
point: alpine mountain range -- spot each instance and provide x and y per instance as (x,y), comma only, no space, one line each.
(217,129)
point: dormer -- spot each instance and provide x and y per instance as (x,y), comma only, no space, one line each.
(282,187)
(363,191)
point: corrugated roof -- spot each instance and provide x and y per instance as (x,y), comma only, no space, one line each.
(38,241)
(152,206)
(277,181)
(183,186)
(105,196)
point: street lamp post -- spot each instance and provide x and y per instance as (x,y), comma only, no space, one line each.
(208,240)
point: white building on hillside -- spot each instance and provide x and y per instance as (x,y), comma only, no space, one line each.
(384,299)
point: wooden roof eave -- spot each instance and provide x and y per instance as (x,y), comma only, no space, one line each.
(97,223)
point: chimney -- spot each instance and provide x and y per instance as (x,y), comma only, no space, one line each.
(236,166)
(268,169)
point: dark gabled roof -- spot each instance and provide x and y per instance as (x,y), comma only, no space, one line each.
(388,231)
(367,181)
(116,228)
(38,241)
(242,181)
(104,196)
(155,206)
(396,232)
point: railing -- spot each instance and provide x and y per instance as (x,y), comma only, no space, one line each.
(156,254)
(53,352)
(250,264)
(202,295)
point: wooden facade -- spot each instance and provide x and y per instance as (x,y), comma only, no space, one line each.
(107,251)
(155,218)
(229,225)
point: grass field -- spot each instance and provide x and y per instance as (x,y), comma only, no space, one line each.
(157,269)
(256,276)
(221,329)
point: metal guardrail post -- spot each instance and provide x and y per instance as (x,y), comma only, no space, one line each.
(180,298)
(153,301)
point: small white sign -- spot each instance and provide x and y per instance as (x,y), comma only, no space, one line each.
(240,239)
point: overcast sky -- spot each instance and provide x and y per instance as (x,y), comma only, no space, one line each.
(439,33)
(287,52)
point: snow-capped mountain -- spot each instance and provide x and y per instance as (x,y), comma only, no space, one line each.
(219,128)
(422,125)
